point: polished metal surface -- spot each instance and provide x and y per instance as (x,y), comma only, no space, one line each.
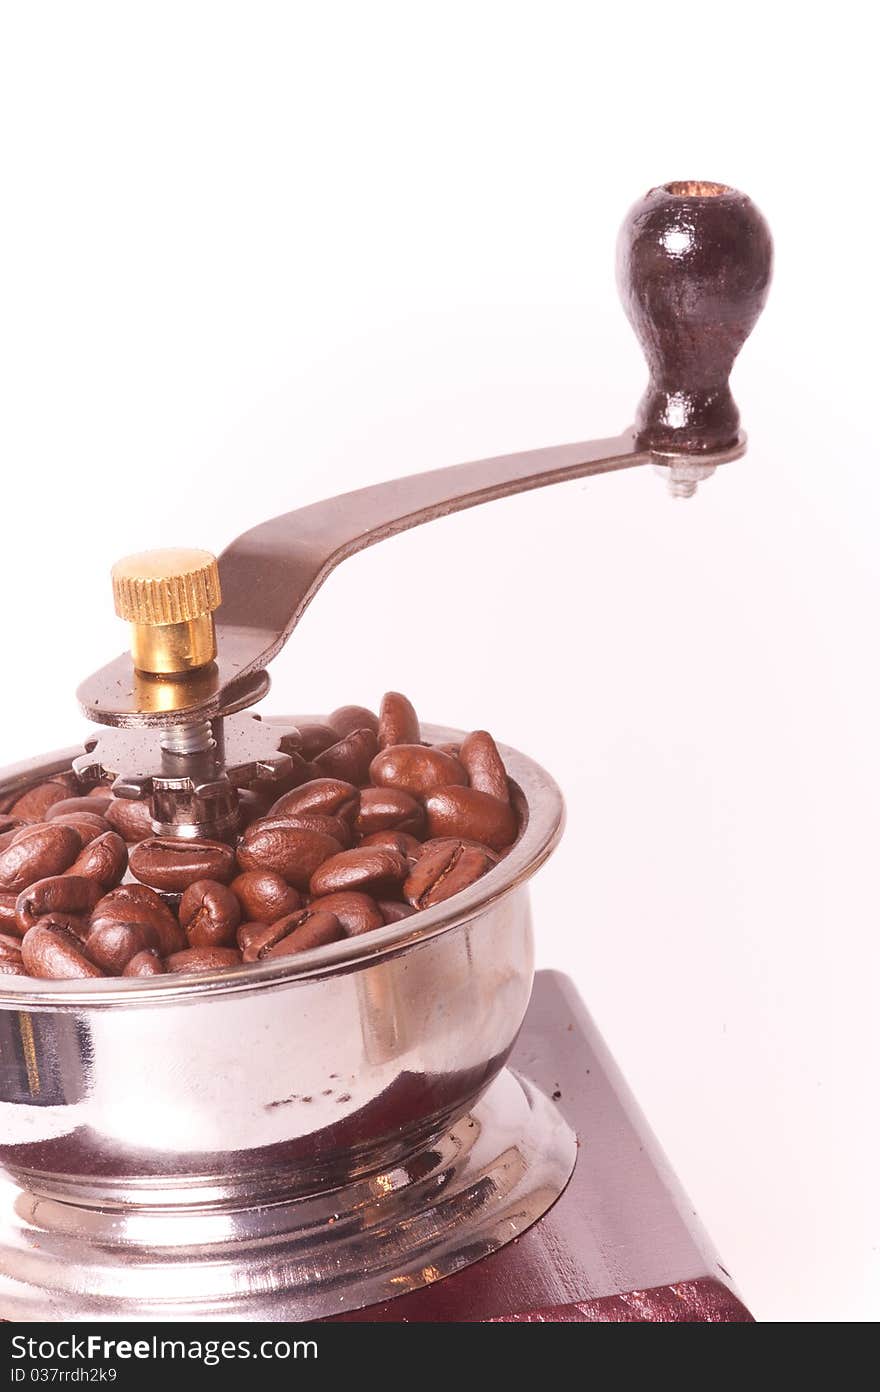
(247,1085)
(168,598)
(271,574)
(191,774)
(480,1183)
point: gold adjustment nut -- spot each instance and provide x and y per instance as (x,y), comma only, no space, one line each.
(169,597)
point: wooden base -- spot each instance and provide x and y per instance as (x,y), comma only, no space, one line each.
(622,1244)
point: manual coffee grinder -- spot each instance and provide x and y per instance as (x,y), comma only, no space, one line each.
(392,1126)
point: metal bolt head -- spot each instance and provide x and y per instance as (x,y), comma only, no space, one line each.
(169,597)
(683,475)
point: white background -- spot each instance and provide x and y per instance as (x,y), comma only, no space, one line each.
(254,254)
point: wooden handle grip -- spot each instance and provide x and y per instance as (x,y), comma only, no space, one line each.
(694,265)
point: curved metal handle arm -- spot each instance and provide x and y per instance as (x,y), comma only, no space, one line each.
(271,574)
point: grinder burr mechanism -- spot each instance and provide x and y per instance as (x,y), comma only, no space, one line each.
(330,1131)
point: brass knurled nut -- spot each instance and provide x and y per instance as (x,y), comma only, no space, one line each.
(168,597)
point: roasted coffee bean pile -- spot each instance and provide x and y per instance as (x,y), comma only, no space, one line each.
(373,826)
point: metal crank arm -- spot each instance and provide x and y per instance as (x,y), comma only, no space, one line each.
(270,574)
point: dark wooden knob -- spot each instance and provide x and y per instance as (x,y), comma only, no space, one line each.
(694,263)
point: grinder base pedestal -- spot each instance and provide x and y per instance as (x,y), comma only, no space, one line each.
(479,1185)
(455,1235)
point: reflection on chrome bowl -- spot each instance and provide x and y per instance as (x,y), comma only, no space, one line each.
(286,1078)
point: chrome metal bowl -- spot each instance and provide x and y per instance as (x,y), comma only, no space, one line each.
(237,1088)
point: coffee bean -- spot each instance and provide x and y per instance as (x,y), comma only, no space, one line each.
(447,869)
(20,831)
(484,766)
(316,931)
(305,929)
(416,769)
(136,903)
(10,946)
(401,841)
(350,758)
(209,914)
(95,805)
(330,797)
(146,963)
(199,959)
(264,896)
(300,771)
(132,820)
(64,894)
(313,821)
(103,860)
(88,827)
(248,933)
(111,946)
(7,837)
(367,869)
(35,803)
(398,722)
(389,809)
(357,913)
(16,833)
(433,842)
(11,966)
(347,719)
(8,921)
(394,912)
(290,851)
(40,850)
(163,863)
(315,738)
(472,814)
(53,953)
(77,924)
(256,943)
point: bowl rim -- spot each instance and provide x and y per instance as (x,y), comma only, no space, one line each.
(541,804)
